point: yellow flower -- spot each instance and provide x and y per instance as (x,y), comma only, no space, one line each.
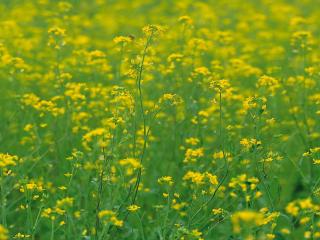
(185,20)
(304,220)
(7,160)
(165,195)
(166,180)
(292,209)
(133,208)
(217,211)
(105,213)
(109,216)
(3,233)
(56,31)
(192,155)
(248,217)
(122,39)
(192,141)
(285,231)
(196,233)
(67,201)
(249,143)
(307,234)
(20,235)
(62,223)
(271,236)
(153,29)
(272,84)
(195,177)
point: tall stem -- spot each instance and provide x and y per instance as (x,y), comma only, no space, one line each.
(145,134)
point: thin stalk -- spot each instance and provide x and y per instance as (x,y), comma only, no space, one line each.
(52,230)
(100,192)
(225,165)
(3,202)
(145,136)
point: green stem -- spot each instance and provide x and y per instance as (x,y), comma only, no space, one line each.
(52,230)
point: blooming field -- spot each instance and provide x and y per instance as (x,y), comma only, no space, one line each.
(169,120)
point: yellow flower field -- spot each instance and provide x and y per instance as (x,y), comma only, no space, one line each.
(159,120)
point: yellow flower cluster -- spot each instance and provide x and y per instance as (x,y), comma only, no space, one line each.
(3,233)
(7,160)
(109,216)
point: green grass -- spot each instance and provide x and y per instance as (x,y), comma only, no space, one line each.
(159,120)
